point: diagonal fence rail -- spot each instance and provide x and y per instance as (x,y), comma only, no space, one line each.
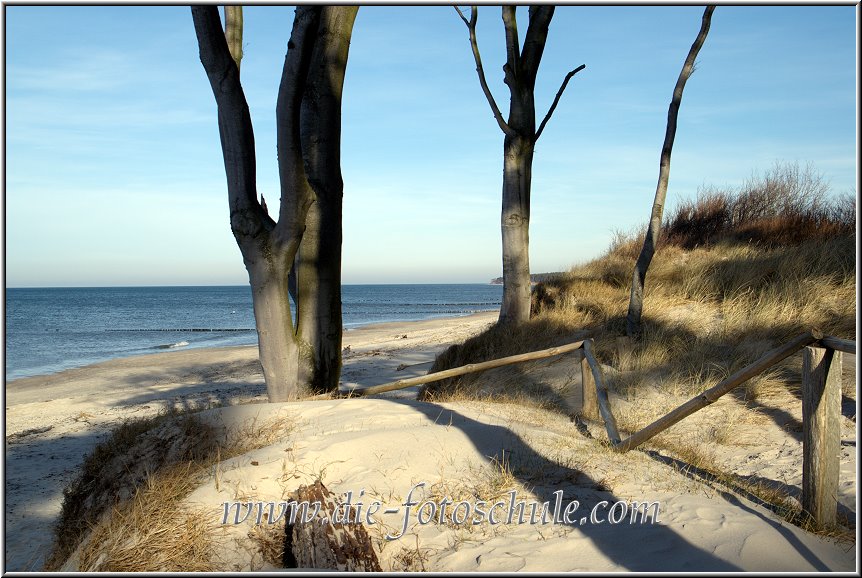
(821,413)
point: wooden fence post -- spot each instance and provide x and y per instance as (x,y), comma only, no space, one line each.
(591,405)
(602,394)
(821,431)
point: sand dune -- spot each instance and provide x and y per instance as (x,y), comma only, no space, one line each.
(385,448)
(388,447)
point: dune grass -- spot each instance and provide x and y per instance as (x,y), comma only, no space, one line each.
(116,466)
(779,259)
(152,532)
(124,509)
(736,274)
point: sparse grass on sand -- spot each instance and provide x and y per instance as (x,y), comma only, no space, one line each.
(736,274)
(123,511)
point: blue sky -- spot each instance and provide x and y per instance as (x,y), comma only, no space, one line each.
(114,174)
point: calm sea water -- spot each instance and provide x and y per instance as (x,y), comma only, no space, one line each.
(48,330)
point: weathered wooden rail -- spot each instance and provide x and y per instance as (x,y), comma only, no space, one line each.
(821,405)
(456,371)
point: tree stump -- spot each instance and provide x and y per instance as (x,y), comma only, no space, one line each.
(324,544)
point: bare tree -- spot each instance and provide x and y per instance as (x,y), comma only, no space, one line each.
(308,113)
(520,70)
(633,319)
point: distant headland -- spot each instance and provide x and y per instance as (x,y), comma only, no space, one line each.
(534,278)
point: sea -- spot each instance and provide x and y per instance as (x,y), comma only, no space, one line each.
(52,329)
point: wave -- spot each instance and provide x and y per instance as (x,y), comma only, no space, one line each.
(172,345)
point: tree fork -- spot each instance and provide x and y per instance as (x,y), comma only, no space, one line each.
(520,70)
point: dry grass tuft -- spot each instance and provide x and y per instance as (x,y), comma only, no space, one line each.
(152,532)
(111,472)
(133,479)
(487,482)
(271,540)
(411,559)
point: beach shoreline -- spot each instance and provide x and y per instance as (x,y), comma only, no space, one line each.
(193,346)
(54,420)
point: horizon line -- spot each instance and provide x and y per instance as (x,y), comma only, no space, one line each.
(218,285)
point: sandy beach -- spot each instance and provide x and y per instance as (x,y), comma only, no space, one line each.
(386,446)
(53,421)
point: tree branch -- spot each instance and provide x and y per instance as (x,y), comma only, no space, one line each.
(233,32)
(234,120)
(534,42)
(557,100)
(471,26)
(461,14)
(513,47)
(296,193)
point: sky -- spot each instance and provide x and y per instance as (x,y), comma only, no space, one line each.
(114,174)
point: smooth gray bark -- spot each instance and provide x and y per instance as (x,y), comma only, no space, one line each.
(313,70)
(522,65)
(633,318)
(515,229)
(318,293)
(319,260)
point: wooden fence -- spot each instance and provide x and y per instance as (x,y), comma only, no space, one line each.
(821,413)
(821,405)
(456,371)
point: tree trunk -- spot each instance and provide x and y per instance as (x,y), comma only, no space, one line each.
(633,318)
(283,356)
(318,280)
(515,227)
(318,293)
(308,118)
(520,71)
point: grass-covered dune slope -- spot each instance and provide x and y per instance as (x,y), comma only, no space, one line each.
(736,273)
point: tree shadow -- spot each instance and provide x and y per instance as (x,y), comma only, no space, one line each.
(848,407)
(782,418)
(499,444)
(196,397)
(735,482)
(37,469)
